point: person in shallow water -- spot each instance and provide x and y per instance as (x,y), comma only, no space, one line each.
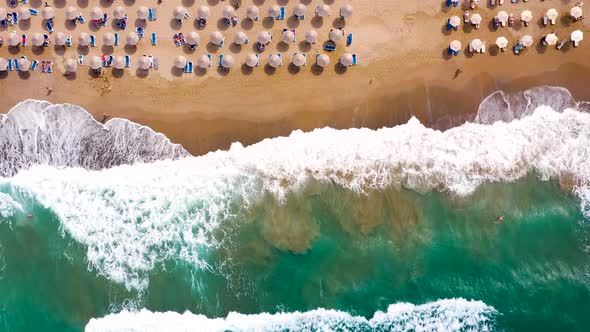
(500,219)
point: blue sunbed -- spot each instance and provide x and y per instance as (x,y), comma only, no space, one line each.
(220,58)
(92,41)
(330,47)
(190,67)
(49,67)
(15,17)
(81,19)
(80,59)
(349,39)
(111,58)
(24,40)
(282,14)
(3,23)
(116,39)
(354,61)
(127,61)
(105,19)
(140,32)
(16,65)
(209,56)
(69,41)
(10,64)
(186,67)
(33,11)
(258,59)
(297,17)
(152,14)
(154,39)
(49,26)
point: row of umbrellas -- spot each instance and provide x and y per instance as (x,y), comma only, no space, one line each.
(526,41)
(526,16)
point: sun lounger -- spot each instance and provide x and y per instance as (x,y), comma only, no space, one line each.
(576,43)
(354,59)
(281,14)
(92,41)
(10,64)
(3,23)
(69,41)
(81,19)
(116,39)
(187,16)
(105,19)
(349,39)
(80,59)
(127,61)
(156,63)
(43,66)
(111,58)
(220,58)
(50,67)
(33,11)
(15,18)
(49,26)
(154,39)
(297,17)
(483,47)
(140,32)
(152,14)
(188,68)
(16,65)
(280,57)
(210,62)
(330,47)
(24,40)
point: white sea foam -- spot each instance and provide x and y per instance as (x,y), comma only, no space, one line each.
(132,218)
(442,315)
(8,206)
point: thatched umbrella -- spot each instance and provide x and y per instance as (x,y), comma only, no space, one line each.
(274,11)
(24,13)
(298,59)
(335,35)
(179,12)
(71,13)
(47,13)
(346,59)
(240,38)
(229,12)
(24,64)
(455,45)
(527,40)
(299,9)
(37,39)
(216,38)
(144,62)
(288,36)
(502,42)
(119,62)
(264,37)
(13,39)
(346,11)
(3,64)
(275,60)
(227,61)
(193,38)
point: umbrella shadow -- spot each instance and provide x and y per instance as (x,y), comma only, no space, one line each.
(174,25)
(107,49)
(235,48)
(93,73)
(37,50)
(71,76)
(82,3)
(3,74)
(70,26)
(221,25)
(269,70)
(304,46)
(292,22)
(200,71)
(176,72)
(14,49)
(188,3)
(212,48)
(117,73)
(317,70)
(268,22)
(212,2)
(340,69)
(282,47)
(130,49)
(142,73)
(24,25)
(247,70)
(247,24)
(222,71)
(445,54)
(59,50)
(317,22)
(24,75)
(293,70)
(141,23)
(338,23)
(84,50)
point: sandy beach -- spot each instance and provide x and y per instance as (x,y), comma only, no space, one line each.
(403,70)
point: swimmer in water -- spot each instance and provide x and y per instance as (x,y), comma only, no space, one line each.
(500,219)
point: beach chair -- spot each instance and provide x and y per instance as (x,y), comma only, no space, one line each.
(576,43)
(80,59)
(10,68)
(187,16)
(189,69)
(3,23)
(186,67)
(280,57)
(152,14)
(154,39)
(92,41)
(330,47)
(33,11)
(24,40)
(220,58)
(49,67)
(354,59)
(545,20)
(127,61)
(483,48)
(140,32)
(49,26)
(105,19)
(210,62)
(156,63)
(14,17)
(297,17)
(116,39)
(16,65)
(179,21)
(111,58)
(69,41)
(258,59)
(349,39)
(81,19)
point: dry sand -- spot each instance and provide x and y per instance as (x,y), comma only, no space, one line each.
(403,70)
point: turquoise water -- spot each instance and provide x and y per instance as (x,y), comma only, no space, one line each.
(326,247)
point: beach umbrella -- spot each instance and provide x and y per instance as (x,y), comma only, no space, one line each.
(204,61)
(551,14)
(251,60)
(71,65)
(24,64)
(47,13)
(323,10)
(526,16)
(252,12)
(240,38)
(454,21)
(203,12)
(142,13)
(179,12)
(13,38)
(475,19)
(119,12)
(322,60)
(83,39)
(119,62)
(144,63)
(108,38)
(229,12)
(311,36)
(264,37)
(193,38)
(3,13)
(526,40)
(179,61)
(132,38)
(502,42)
(577,36)
(60,38)
(24,13)
(576,12)
(37,39)
(298,59)
(216,38)
(96,13)
(275,60)
(71,13)
(476,44)
(3,64)
(336,35)
(299,9)
(94,62)
(551,39)
(274,11)
(503,16)
(346,59)
(455,45)
(346,11)
(288,36)
(227,61)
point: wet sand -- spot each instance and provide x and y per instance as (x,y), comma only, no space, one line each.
(403,71)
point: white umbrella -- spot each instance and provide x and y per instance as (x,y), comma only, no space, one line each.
(454,21)
(551,39)
(577,36)
(476,44)
(240,38)
(311,36)
(551,14)
(252,60)
(336,35)
(252,12)
(37,39)
(576,12)
(24,13)
(3,14)
(119,12)
(47,13)
(132,38)
(24,64)
(274,11)
(108,38)
(71,13)
(527,40)
(323,60)
(13,39)
(346,11)
(526,16)
(94,62)
(60,38)
(229,12)
(288,36)
(346,59)
(119,62)
(96,13)
(298,59)
(193,38)
(503,16)
(275,61)
(83,39)
(179,61)
(142,13)
(144,63)
(299,9)
(455,45)
(475,19)
(216,38)
(264,37)
(323,10)
(3,64)
(502,42)
(179,12)
(203,12)
(71,65)
(227,61)
(204,61)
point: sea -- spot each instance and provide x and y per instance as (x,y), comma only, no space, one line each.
(115,228)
